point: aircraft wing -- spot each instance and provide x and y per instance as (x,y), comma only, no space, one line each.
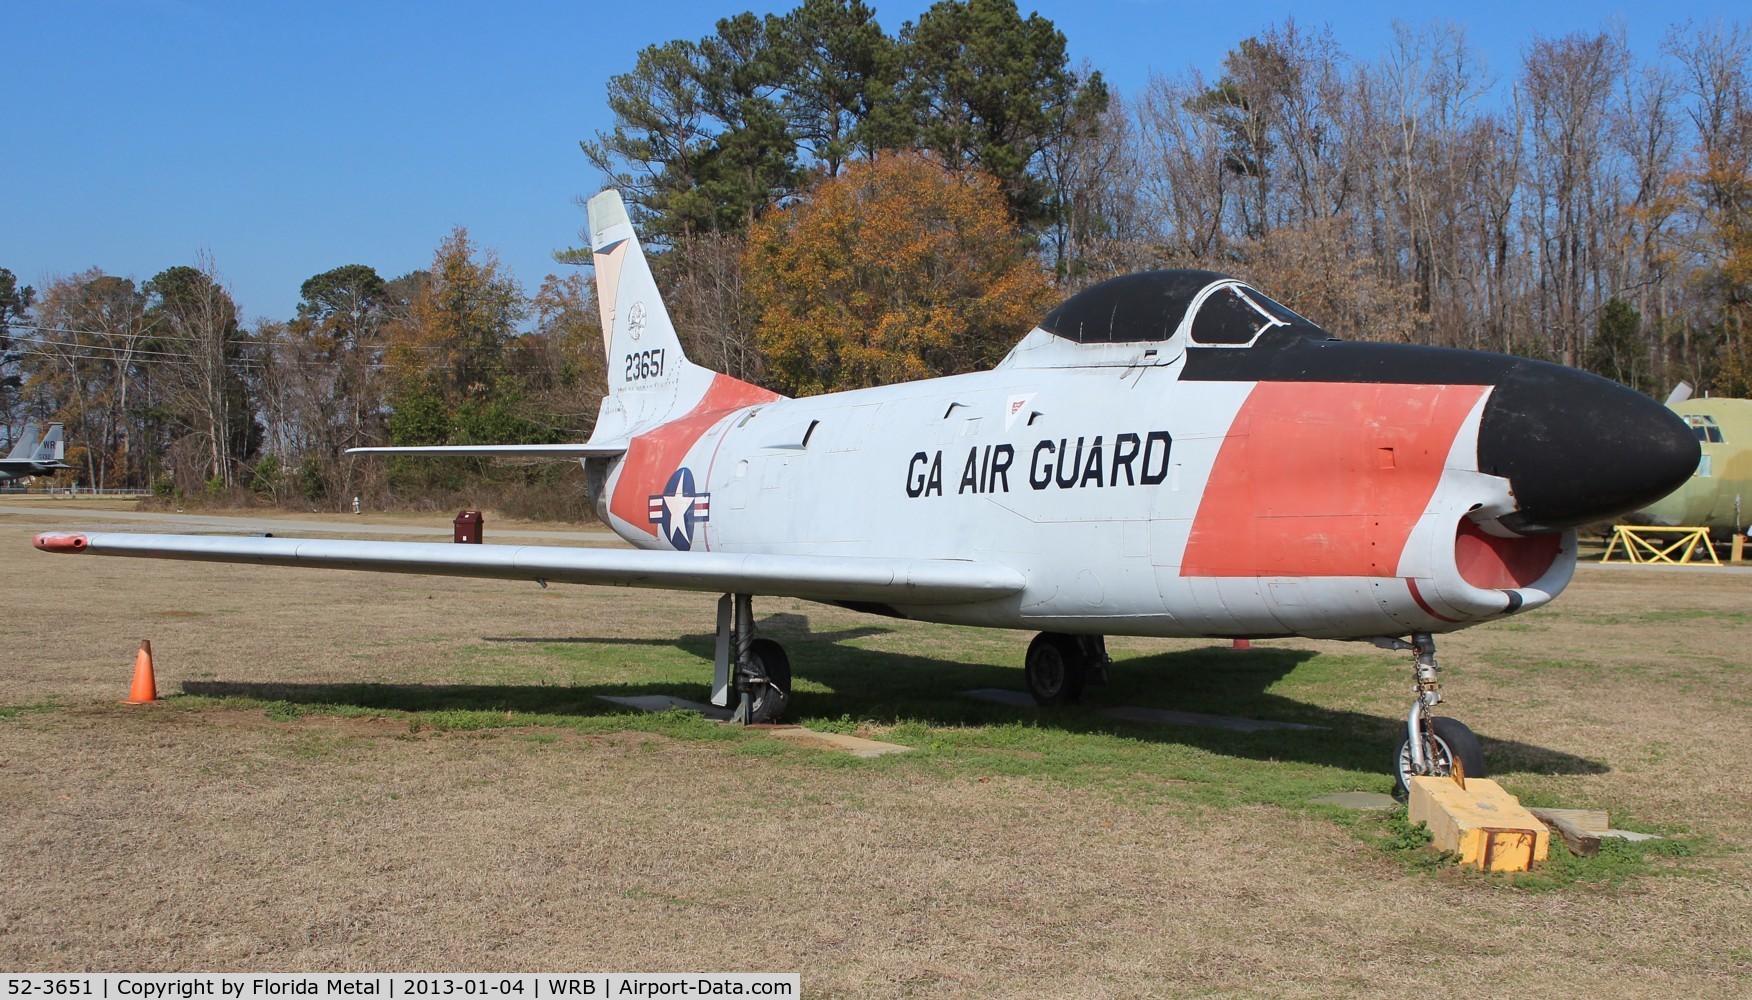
(821,578)
(502,450)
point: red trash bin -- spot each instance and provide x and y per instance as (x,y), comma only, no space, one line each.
(468,527)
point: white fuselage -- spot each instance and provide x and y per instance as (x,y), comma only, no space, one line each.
(1096,483)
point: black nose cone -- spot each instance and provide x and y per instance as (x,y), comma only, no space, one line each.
(1576,447)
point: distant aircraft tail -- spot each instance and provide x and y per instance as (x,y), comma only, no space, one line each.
(650,379)
(25,446)
(53,447)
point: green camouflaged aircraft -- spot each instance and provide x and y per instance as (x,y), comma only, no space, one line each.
(1719,494)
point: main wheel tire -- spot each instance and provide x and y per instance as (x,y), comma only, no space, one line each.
(1056,669)
(769,701)
(1453,741)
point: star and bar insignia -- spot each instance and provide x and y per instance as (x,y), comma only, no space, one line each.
(678,508)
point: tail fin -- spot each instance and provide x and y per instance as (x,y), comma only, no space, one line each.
(650,379)
(53,447)
(25,446)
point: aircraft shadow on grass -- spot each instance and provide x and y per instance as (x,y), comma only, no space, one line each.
(895,687)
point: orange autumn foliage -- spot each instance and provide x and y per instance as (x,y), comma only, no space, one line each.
(897,269)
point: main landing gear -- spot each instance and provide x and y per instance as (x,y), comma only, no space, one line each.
(1059,666)
(1433,745)
(750,675)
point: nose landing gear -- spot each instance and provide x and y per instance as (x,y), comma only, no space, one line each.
(1434,745)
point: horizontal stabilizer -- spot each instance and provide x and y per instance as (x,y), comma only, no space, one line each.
(822,578)
(502,450)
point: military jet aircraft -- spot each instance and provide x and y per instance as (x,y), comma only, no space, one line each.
(1167,454)
(30,457)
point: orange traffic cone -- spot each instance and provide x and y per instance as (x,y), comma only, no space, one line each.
(145,689)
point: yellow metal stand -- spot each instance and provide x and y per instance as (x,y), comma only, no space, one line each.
(1650,544)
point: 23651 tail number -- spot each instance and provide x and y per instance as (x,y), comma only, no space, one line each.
(644,365)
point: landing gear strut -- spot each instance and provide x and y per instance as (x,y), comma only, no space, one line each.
(1059,666)
(750,675)
(1433,745)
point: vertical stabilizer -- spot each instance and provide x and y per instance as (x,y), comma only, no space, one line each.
(25,446)
(650,380)
(54,446)
(658,403)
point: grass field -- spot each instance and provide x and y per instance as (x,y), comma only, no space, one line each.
(356,771)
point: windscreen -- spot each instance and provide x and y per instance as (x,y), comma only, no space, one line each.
(1236,315)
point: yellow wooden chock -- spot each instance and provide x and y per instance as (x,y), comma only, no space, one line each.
(1484,825)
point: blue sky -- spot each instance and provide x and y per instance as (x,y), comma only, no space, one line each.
(287,139)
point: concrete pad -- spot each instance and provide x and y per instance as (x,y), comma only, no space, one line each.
(1356,800)
(1168,716)
(663,703)
(857,746)
(1630,835)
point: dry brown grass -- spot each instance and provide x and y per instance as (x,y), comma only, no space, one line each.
(218,838)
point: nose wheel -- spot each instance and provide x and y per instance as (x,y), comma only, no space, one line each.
(1434,745)
(1449,749)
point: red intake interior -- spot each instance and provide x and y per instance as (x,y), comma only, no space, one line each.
(1492,563)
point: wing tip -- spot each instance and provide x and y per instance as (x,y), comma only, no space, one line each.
(57,541)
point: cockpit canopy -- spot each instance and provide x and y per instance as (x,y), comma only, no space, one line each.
(1152,305)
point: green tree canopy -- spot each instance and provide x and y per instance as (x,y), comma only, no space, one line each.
(1617,349)
(990,89)
(710,133)
(346,304)
(840,96)
(701,141)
